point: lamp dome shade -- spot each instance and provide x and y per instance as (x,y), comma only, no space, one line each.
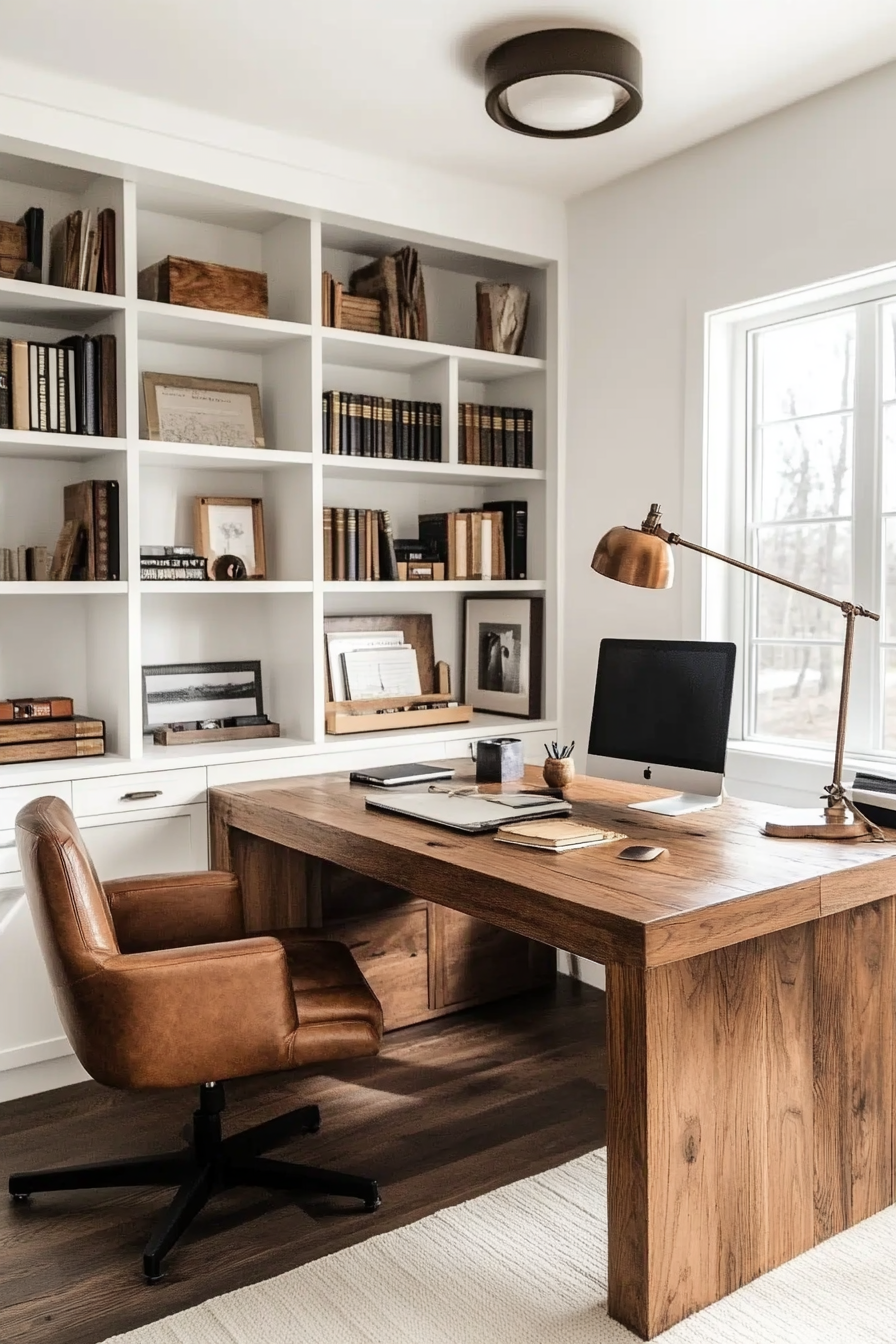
(639,558)
(564,83)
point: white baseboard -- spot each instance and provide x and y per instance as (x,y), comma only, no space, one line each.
(41,1077)
(589,972)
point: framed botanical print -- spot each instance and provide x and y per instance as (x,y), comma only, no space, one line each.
(202,410)
(230,534)
(504,655)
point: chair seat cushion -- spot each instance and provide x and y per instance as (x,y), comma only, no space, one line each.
(339,1015)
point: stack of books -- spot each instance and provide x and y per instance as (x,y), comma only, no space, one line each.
(67,388)
(357,425)
(456,538)
(82,251)
(89,545)
(158,563)
(494,436)
(24,562)
(470,542)
(51,739)
(359,544)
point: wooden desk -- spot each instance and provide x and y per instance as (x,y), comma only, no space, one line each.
(751,1002)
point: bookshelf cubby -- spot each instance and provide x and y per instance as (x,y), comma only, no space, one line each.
(91,640)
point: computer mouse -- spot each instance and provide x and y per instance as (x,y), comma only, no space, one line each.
(641,853)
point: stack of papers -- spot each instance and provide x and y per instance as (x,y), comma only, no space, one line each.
(556,835)
(375,665)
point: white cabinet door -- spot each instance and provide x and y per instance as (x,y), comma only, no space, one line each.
(161,840)
(165,840)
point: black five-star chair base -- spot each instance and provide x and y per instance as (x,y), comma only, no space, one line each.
(209,1164)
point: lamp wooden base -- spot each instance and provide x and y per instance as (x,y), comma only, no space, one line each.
(815,824)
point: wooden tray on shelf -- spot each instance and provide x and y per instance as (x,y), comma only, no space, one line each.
(167,737)
(375,716)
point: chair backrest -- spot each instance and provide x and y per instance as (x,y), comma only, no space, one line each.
(68,904)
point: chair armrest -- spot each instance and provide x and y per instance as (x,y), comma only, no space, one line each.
(175,910)
(178,1016)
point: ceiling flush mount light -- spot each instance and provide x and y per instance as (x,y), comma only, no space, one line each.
(564,83)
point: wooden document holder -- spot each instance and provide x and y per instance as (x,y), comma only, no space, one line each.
(431,708)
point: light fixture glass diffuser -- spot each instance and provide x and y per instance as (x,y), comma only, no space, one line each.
(563,83)
(563,102)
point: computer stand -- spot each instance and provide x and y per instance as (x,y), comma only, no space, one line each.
(679,804)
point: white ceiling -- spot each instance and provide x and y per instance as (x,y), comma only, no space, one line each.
(402,78)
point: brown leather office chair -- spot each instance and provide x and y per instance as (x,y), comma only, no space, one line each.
(158,986)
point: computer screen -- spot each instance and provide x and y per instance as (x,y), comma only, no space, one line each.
(663,701)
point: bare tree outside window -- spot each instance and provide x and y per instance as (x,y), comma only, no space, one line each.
(802,520)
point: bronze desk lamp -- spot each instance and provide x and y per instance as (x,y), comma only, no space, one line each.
(644,558)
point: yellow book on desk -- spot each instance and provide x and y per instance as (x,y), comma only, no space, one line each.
(556,834)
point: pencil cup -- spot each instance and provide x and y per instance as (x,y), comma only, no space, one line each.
(499,760)
(559,772)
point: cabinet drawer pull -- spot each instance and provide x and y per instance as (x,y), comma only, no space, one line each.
(136,794)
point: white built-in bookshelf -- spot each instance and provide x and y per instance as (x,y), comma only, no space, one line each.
(90,640)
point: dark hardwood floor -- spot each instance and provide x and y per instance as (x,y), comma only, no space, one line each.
(447,1111)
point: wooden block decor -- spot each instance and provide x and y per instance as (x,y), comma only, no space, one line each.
(502,312)
(359,314)
(205,284)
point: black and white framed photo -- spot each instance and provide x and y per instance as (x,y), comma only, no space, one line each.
(504,655)
(200,692)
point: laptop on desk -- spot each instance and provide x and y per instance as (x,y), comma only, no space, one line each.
(473,813)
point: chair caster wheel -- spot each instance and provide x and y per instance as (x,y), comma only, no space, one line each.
(20,1199)
(155,1276)
(371,1204)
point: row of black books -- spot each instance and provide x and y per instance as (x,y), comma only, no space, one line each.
(359,544)
(494,436)
(180,563)
(357,425)
(67,388)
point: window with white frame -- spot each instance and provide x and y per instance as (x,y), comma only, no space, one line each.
(819,507)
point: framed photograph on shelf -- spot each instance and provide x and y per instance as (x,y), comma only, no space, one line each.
(198,692)
(504,655)
(202,410)
(230,534)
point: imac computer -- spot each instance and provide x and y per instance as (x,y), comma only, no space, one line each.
(661,710)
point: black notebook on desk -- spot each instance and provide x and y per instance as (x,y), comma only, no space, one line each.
(391,776)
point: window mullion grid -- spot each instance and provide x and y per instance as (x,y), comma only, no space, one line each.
(866,698)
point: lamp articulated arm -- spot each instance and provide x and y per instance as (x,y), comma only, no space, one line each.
(642,558)
(651,525)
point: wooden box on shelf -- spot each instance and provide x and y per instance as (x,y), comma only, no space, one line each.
(205,284)
(434,706)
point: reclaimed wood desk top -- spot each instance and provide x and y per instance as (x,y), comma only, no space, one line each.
(721,881)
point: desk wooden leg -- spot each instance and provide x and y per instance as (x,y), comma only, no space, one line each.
(751,1103)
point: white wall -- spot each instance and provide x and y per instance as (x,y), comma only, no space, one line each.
(798,197)
(71,121)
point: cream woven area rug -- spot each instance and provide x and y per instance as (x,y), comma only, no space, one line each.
(526,1264)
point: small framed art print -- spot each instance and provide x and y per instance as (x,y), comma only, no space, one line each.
(504,655)
(202,410)
(191,692)
(230,534)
